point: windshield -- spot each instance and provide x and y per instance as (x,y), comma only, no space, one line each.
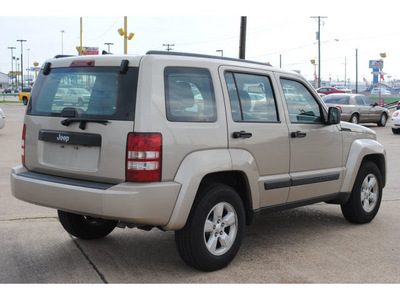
(337,99)
(95,92)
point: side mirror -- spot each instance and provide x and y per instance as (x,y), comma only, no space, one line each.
(333,115)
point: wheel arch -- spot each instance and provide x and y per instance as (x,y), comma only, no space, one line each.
(360,151)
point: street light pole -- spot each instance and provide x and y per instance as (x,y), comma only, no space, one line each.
(12,62)
(22,65)
(108,44)
(62,41)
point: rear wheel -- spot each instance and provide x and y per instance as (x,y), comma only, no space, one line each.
(25,100)
(86,227)
(366,196)
(213,233)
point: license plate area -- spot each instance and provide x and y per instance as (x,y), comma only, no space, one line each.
(69,150)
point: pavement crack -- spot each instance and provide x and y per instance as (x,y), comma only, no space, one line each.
(101,275)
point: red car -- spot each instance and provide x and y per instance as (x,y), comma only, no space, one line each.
(329,90)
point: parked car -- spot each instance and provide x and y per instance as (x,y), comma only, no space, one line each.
(375,91)
(175,141)
(344,89)
(356,108)
(329,90)
(7,90)
(395,123)
(2,119)
(25,94)
(78,96)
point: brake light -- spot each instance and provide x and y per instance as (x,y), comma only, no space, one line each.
(82,63)
(23,145)
(395,114)
(143,163)
(340,109)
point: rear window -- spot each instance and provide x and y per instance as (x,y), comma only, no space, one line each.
(94,92)
(337,99)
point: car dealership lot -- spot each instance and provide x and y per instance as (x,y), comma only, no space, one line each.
(314,244)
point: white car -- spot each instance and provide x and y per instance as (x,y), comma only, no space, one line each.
(2,119)
(375,91)
(396,122)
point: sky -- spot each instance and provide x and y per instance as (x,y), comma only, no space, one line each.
(282,33)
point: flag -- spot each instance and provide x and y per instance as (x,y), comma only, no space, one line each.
(383,78)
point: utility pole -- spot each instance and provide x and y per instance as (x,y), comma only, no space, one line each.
(108,44)
(12,62)
(319,47)
(22,66)
(242,42)
(169,46)
(124,33)
(356,71)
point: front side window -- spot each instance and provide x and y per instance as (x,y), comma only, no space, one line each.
(251,97)
(93,92)
(302,106)
(189,95)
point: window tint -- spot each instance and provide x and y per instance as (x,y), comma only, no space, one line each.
(189,95)
(367,101)
(251,98)
(302,106)
(337,99)
(94,92)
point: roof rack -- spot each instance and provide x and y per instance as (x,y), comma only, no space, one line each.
(157,52)
(63,55)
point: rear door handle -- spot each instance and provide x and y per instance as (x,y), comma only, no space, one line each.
(242,134)
(298,134)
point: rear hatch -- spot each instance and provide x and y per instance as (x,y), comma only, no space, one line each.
(79,117)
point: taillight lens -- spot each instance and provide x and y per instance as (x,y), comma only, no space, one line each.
(143,162)
(23,145)
(339,109)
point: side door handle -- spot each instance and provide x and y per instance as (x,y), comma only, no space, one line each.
(242,134)
(298,134)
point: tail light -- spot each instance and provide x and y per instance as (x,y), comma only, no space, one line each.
(143,163)
(339,109)
(23,145)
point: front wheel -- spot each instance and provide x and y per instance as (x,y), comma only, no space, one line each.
(213,233)
(354,119)
(86,227)
(366,196)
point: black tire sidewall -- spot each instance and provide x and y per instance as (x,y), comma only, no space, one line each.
(201,258)
(353,210)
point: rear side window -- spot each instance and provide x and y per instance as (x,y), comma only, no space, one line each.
(251,97)
(189,95)
(337,99)
(94,92)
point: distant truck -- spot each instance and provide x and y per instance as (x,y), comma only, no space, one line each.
(24,95)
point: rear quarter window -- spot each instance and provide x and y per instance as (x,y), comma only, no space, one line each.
(189,95)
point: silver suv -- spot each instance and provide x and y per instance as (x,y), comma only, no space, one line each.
(196,144)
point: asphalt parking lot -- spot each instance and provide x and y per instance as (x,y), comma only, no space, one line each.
(314,244)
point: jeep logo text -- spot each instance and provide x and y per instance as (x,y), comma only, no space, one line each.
(63,138)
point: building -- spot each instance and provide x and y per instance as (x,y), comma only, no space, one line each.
(4,81)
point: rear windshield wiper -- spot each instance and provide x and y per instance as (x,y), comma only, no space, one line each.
(82,122)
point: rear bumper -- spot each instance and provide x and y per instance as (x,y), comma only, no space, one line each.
(138,203)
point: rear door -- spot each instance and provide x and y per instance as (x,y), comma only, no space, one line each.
(81,141)
(255,127)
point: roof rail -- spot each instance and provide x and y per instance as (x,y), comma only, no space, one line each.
(157,52)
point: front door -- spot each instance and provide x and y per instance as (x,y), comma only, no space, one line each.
(315,148)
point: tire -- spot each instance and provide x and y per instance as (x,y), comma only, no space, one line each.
(85,227)
(366,196)
(25,101)
(354,119)
(382,120)
(396,130)
(213,233)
